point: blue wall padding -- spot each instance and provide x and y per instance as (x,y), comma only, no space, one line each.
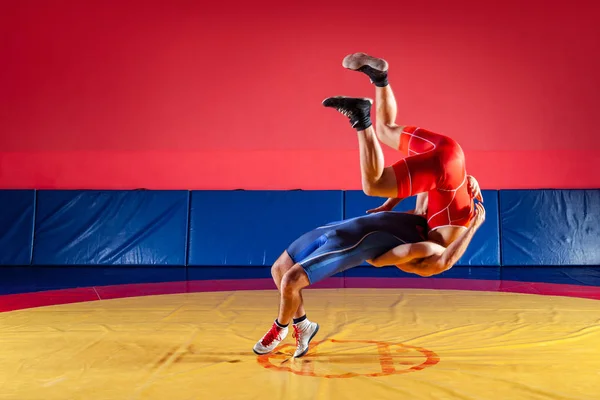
(25,279)
(484,249)
(250,228)
(550,227)
(17,209)
(111,228)
(228,272)
(485,246)
(570,275)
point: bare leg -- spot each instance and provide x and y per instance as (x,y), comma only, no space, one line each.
(387,130)
(387,109)
(283,264)
(377,70)
(292,283)
(377,180)
(290,279)
(300,312)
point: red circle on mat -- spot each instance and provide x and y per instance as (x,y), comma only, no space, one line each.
(387,364)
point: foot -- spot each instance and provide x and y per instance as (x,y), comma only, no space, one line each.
(271,340)
(375,68)
(304,332)
(358,110)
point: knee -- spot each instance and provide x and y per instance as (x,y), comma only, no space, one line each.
(382,186)
(389,134)
(371,188)
(291,282)
(277,270)
(281,266)
(384,130)
(367,189)
(288,284)
(381,129)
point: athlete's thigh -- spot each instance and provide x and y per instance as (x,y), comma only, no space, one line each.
(306,244)
(340,253)
(417,174)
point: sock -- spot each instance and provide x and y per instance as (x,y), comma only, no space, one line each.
(378,78)
(280,325)
(298,320)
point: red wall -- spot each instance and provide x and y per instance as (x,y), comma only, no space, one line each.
(186,94)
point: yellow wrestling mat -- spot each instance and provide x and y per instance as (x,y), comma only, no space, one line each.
(373,344)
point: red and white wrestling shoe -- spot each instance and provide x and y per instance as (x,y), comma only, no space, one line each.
(304,332)
(271,339)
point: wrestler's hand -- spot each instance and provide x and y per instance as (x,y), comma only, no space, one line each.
(387,206)
(421,204)
(473,187)
(479,216)
(420,213)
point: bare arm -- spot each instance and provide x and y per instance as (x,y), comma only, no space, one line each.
(437,264)
(408,253)
(420,208)
(387,206)
(422,202)
(429,258)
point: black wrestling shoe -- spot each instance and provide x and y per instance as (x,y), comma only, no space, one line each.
(357,109)
(375,68)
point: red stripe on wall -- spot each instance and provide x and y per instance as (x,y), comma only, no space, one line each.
(275,170)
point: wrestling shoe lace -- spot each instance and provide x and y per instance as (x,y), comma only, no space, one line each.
(273,334)
(345,112)
(297,335)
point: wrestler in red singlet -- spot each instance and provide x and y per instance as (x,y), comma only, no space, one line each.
(435,164)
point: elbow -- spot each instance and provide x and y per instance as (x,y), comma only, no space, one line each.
(383,131)
(442,268)
(369,189)
(445,263)
(373,189)
(435,269)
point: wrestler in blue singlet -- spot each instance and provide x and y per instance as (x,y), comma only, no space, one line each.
(342,245)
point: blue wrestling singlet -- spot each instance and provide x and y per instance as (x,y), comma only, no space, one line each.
(342,245)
